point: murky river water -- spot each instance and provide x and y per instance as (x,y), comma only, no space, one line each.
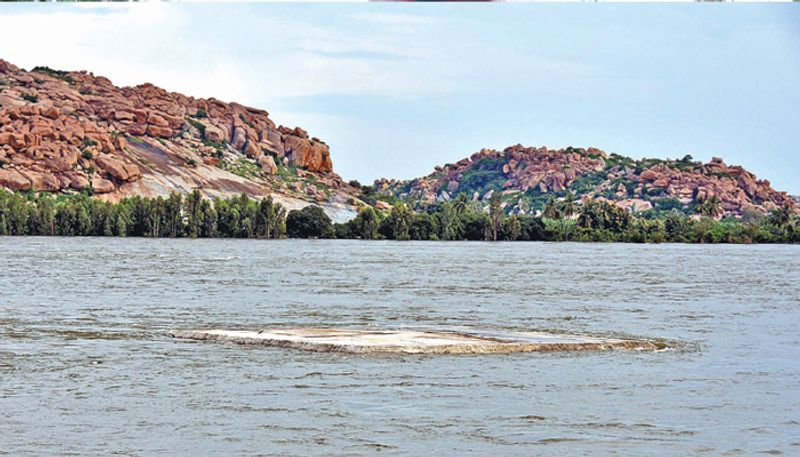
(86,366)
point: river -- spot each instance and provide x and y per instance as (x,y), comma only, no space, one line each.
(87,366)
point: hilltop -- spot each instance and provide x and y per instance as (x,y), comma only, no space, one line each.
(525,178)
(74,132)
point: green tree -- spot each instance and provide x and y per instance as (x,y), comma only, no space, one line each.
(193,209)
(309,222)
(495,216)
(709,207)
(397,225)
(551,209)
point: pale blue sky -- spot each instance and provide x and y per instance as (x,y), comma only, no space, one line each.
(396,89)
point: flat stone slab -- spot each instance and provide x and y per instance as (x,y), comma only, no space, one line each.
(360,341)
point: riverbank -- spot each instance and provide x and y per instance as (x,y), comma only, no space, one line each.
(193,216)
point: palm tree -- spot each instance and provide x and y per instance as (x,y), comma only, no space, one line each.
(568,206)
(551,210)
(495,214)
(587,216)
(460,203)
(709,207)
(781,216)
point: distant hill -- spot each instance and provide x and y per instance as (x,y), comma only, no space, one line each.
(525,178)
(73,131)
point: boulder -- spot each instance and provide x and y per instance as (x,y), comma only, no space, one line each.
(159,131)
(239,138)
(307,154)
(268,164)
(114,167)
(77,181)
(51,112)
(157,120)
(136,129)
(214,133)
(124,116)
(12,179)
(133,170)
(648,175)
(102,186)
(42,181)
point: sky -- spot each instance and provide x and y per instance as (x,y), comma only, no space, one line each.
(398,88)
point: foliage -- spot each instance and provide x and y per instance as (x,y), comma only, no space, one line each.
(587,182)
(58,74)
(709,207)
(484,175)
(30,98)
(193,216)
(309,222)
(371,196)
(241,166)
(398,224)
(197,125)
(176,216)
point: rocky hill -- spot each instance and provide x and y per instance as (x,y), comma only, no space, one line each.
(526,177)
(74,131)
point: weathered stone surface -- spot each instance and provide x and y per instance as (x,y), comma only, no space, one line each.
(214,133)
(369,341)
(102,186)
(42,181)
(14,180)
(81,126)
(113,167)
(518,169)
(159,131)
(77,181)
(268,164)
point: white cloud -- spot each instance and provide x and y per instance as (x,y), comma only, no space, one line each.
(237,55)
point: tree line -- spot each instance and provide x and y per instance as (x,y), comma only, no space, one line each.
(593,220)
(193,216)
(175,216)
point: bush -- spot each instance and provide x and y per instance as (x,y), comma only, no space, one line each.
(309,222)
(87,154)
(199,126)
(58,74)
(30,98)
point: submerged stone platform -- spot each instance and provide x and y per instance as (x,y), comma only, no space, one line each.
(361,341)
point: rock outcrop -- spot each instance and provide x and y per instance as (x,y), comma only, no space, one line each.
(365,342)
(525,177)
(70,131)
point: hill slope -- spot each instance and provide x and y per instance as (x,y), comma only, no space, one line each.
(73,131)
(526,177)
